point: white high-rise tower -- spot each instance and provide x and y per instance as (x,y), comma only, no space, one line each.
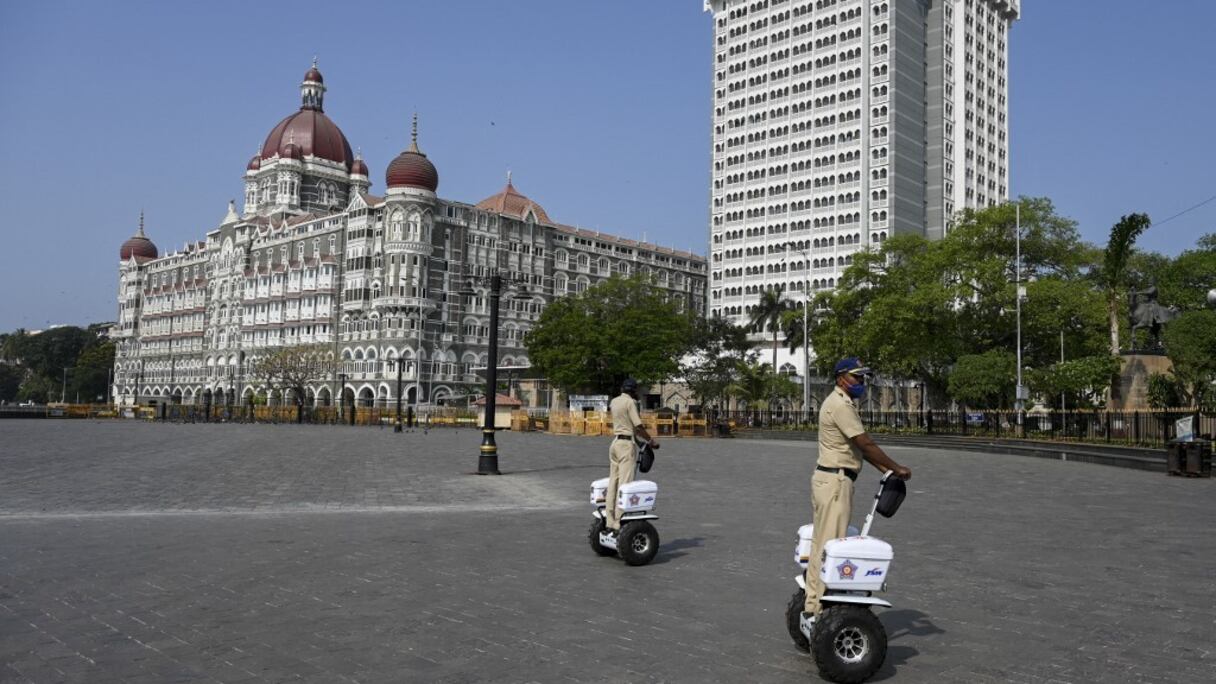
(839,123)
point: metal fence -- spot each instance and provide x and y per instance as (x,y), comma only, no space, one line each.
(1135,428)
(201,413)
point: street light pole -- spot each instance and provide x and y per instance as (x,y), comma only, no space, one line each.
(64,389)
(1021,391)
(397,427)
(806,355)
(487,462)
(1061,361)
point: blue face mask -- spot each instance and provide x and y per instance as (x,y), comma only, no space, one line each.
(856,391)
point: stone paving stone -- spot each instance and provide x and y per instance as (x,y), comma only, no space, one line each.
(134,552)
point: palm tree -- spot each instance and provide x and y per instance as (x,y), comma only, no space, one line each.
(767,313)
(1114,267)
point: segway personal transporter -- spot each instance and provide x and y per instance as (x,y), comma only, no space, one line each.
(638,541)
(847,641)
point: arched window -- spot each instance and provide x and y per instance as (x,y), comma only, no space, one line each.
(415,226)
(396,225)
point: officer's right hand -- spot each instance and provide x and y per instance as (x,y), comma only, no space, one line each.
(902,472)
(654,444)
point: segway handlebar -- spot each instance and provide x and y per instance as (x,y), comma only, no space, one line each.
(891,493)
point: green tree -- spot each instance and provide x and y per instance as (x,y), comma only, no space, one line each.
(985,380)
(1190,341)
(291,369)
(758,385)
(1164,391)
(619,328)
(1113,274)
(1184,281)
(91,372)
(1082,381)
(11,377)
(767,315)
(913,307)
(718,349)
(49,352)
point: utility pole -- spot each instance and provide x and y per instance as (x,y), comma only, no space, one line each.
(397,427)
(1021,390)
(1061,361)
(806,356)
(487,462)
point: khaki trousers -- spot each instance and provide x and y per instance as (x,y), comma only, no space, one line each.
(622,457)
(832,498)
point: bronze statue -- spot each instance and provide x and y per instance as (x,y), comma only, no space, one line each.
(1145,312)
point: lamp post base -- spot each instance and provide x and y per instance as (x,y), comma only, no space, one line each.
(487,460)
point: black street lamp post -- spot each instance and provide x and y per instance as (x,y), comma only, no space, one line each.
(397,427)
(341,395)
(487,462)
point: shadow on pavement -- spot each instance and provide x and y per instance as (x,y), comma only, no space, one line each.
(674,549)
(546,470)
(902,623)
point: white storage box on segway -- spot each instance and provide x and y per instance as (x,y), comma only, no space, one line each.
(638,495)
(806,537)
(599,491)
(856,564)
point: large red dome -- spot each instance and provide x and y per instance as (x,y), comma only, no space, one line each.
(316,135)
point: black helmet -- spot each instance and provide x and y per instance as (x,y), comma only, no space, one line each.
(629,385)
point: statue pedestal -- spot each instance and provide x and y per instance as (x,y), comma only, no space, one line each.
(1130,393)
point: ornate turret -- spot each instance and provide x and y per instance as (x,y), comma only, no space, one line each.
(138,245)
(411,168)
(312,90)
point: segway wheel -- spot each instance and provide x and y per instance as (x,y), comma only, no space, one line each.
(598,525)
(638,542)
(793,618)
(848,643)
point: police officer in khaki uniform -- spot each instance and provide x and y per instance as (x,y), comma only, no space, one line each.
(626,423)
(843,443)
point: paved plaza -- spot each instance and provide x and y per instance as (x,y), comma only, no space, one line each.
(133,552)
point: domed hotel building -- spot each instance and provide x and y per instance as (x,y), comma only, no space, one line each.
(373,280)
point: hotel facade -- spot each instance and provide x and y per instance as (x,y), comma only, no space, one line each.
(372,281)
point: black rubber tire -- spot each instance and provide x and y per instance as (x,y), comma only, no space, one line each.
(837,626)
(793,619)
(638,542)
(593,535)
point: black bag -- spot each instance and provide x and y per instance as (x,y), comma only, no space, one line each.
(892,495)
(645,458)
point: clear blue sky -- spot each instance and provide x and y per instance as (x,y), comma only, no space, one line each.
(600,109)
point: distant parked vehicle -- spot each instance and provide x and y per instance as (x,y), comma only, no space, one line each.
(27,403)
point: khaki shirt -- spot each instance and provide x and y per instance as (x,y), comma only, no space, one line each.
(838,423)
(624,415)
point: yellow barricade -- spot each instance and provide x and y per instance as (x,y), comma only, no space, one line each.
(694,427)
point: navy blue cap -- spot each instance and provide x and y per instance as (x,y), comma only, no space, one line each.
(853,366)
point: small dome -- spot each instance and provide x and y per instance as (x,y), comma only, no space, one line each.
(291,151)
(255,163)
(138,245)
(313,75)
(511,202)
(358,168)
(411,169)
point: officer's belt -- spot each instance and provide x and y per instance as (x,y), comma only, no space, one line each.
(847,471)
(624,436)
